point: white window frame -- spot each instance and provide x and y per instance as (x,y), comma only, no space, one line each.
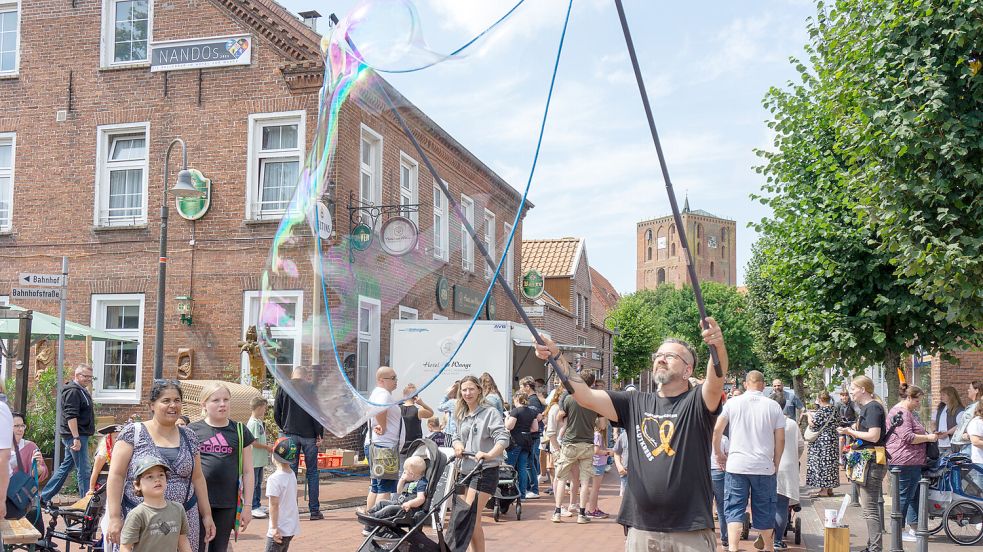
(439,317)
(7,6)
(255,156)
(408,313)
(373,339)
(7,196)
(490,244)
(105,135)
(576,307)
(252,300)
(509,255)
(467,244)
(373,169)
(99,302)
(410,196)
(441,228)
(108,40)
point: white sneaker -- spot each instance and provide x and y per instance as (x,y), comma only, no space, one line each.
(258,513)
(909,536)
(566,513)
(531,495)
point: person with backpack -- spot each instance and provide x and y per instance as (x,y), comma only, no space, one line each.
(227,462)
(178,446)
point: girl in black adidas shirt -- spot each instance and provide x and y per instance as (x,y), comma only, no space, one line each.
(221,458)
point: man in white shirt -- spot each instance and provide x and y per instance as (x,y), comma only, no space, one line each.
(385,429)
(757,440)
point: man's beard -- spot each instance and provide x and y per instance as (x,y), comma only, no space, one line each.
(663,377)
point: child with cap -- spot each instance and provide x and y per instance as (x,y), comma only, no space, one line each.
(156,524)
(281,489)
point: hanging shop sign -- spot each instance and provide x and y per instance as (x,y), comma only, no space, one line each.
(443,293)
(490,308)
(319,219)
(200,53)
(361,237)
(533,285)
(399,236)
(195,207)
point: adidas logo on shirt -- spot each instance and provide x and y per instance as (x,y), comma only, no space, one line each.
(216,445)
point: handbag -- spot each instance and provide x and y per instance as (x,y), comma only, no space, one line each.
(22,490)
(384,461)
(858,465)
(811,435)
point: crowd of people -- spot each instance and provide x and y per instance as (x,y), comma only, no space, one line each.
(175,485)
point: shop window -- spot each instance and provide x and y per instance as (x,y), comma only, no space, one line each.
(276,150)
(283,323)
(116,365)
(127,32)
(121,179)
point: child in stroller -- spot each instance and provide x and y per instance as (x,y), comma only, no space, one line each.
(412,491)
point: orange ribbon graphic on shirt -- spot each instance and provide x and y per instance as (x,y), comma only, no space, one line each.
(666,430)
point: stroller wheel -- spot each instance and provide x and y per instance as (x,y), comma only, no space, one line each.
(518,511)
(798,530)
(498,511)
(964,522)
(746,528)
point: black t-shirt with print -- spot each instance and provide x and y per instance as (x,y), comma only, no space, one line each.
(872,415)
(219,448)
(669,486)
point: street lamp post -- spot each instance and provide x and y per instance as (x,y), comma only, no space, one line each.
(184,187)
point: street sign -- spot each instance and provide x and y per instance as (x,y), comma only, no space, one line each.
(37,293)
(47,280)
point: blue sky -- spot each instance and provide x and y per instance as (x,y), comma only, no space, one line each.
(706,66)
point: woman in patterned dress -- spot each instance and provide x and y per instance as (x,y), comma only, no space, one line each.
(178,446)
(822,466)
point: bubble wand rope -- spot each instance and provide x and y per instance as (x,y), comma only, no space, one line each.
(665,175)
(479,244)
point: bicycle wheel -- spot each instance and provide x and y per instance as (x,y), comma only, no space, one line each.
(964,522)
(935,523)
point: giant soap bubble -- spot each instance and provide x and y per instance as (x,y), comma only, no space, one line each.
(367,235)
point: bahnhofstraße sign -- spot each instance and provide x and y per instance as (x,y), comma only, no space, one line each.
(198,53)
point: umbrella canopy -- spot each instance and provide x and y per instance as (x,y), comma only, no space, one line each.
(47,326)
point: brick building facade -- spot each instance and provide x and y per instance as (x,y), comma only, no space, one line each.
(565,309)
(659,255)
(82,145)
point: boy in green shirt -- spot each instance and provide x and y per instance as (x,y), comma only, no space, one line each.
(261,451)
(156,524)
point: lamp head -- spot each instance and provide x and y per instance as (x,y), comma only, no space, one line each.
(184,187)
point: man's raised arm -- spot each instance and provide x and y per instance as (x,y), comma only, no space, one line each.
(591,399)
(713,385)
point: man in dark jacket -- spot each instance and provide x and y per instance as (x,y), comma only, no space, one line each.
(297,423)
(77,424)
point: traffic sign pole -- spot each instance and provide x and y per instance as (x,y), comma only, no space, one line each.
(60,370)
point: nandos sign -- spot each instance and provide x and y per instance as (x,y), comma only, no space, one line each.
(222,51)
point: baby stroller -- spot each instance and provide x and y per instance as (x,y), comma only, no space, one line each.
(405,532)
(955,499)
(506,493)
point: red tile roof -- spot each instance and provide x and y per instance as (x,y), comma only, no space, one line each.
(554,258)
(603,297)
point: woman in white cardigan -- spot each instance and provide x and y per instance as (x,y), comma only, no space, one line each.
(788,480)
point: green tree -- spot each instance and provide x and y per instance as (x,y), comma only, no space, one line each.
(761,306)
(904,77)
(835,293)
(635,341)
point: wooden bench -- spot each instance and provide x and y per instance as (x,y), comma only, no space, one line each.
(18,534)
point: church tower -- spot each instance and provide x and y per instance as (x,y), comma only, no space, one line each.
(660,259)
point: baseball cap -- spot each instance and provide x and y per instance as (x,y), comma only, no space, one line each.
(148,462)
(111,428)
(285,450)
